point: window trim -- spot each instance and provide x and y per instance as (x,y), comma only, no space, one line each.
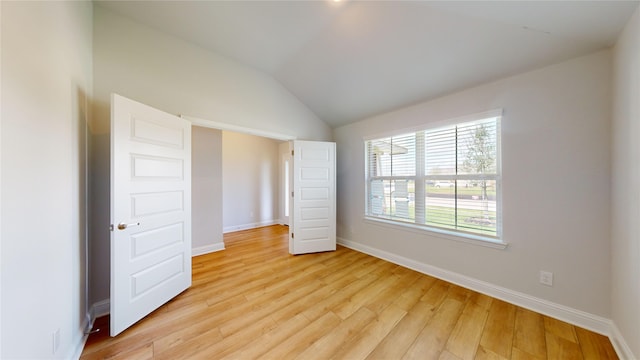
(496,241)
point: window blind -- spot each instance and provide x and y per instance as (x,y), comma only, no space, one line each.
(446,177)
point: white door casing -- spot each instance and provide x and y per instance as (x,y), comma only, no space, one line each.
(285,201)
(312,224)
(150,210)
(284,149)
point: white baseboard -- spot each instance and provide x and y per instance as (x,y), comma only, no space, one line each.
(250,226)
(622,348)
(99,309)
(207,249)
(76,352)
(573,316)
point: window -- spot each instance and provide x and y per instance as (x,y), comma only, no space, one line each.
(445,178)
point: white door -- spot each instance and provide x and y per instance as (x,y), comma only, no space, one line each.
(150,210)
(312,224)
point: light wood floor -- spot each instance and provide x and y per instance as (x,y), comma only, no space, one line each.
(254,300)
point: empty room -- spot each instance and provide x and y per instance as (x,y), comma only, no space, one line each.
(323,179)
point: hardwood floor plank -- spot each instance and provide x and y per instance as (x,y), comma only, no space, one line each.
(290,348)
(283,314)
(436,293)
(561,348)
(155,325)
(412,294)
(254,300)
(267,305)
(431,340)
(324,347)
(481,300)
(529,333)
(358,300)
(343,258)
(389,294)
(398,341)
(446,355)
(271,339)
(202,347)
(518,354)
(363,344)
(486,354)
(338,297)
(595,346)
(185,334)
(497,337)
(465,337)
(365,266)
(459,293)
(141,353)
(560,329)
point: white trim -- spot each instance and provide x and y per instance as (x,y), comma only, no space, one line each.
(619,344)
(79,347)
(236,128)
(207,249)
(233,228)
(580,318)
(100,308)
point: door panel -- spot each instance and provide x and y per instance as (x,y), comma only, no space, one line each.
(313,220)
(151,200)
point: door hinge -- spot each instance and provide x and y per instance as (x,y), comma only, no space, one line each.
(292,193)
(291,152)
(292,236)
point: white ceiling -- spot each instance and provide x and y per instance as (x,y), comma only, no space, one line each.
(353,59)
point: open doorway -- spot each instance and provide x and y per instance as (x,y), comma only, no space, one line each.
(208,172)
(253,182)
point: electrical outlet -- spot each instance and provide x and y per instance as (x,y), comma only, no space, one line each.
(546,278)
(55,336)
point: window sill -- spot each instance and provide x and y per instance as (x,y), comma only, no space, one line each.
(439,233)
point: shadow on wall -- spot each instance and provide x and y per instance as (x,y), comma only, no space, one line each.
(99,208)
(80,111)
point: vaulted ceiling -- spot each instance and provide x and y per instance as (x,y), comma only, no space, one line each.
(348,60)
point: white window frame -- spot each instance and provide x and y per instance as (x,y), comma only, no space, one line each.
(420,178)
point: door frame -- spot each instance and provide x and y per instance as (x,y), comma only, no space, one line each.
(285,182)
(195,121)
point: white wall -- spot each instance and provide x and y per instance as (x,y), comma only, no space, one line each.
(625,213)
(250,167)
(46,81)
(180,78)
(556,185)
(206,190)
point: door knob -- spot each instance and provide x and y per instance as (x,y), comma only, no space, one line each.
(122,226)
